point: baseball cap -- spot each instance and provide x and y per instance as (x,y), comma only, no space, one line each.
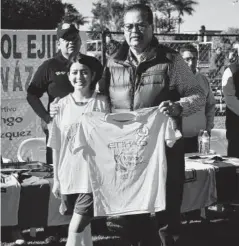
(67,31)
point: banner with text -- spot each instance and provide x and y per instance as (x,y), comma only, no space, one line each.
(22,52)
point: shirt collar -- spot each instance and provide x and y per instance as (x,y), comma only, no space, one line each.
(146,55)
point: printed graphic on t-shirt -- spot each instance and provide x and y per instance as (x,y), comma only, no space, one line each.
(127,160)
(70,132)
(127,154)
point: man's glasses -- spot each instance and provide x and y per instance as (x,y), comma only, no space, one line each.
(139,26)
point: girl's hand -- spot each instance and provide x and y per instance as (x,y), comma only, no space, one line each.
(56,189)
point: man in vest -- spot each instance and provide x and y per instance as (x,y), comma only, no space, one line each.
(230,87)
(144,73)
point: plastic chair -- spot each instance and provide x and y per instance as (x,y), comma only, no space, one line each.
(32,149)
(219,141)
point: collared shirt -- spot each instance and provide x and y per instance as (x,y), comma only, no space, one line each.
(229,91)
(203,119)
(147,54)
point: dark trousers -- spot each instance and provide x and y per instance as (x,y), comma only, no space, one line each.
(169,221)
(50,230)
(141,230)
(233,147)
(49,159)
(191,145)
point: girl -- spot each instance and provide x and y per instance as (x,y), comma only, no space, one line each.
(71,181)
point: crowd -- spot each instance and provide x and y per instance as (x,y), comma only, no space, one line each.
(140,74)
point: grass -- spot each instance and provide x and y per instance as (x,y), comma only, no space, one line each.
(221,229)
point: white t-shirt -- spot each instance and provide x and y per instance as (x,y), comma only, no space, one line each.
(72,169)
(126,153)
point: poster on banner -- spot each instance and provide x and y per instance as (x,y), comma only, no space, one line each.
(22,52)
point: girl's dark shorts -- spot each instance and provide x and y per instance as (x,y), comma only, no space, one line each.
(81,203)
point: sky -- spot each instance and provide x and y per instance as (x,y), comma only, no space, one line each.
(213,14)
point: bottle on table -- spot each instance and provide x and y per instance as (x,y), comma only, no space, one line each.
(199,141)
(205,143)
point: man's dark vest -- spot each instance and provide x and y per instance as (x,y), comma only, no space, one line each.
(232,120)
(145,86)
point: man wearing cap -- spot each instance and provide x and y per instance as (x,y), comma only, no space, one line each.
(51,78)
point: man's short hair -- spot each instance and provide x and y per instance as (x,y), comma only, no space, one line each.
(142,8)
(188,47)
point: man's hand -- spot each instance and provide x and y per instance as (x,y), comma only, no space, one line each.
(170,108)
(54,107)
(56,189)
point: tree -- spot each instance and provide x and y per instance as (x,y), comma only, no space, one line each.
(183,7)
(227,42)
(71,14)
(37,14)
(108,14)
(31,14)
(168,13)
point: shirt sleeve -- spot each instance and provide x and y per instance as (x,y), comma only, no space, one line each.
(40,81)
(172,134)
(229,91)
(36,89)
(54,140)
(184,81)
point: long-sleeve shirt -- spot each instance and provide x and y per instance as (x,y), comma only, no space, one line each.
(192,94)
(229,92)
(204,117)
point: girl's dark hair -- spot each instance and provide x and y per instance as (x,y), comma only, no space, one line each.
(91,62)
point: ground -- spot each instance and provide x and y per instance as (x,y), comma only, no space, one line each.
(220,230)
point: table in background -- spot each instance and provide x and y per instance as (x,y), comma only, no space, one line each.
(35,205)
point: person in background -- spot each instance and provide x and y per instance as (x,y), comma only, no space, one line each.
(230,88)
(51,79)
(217,63)
(232,56)
(144,73)
(203,119)
(71,180)
(112,45)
